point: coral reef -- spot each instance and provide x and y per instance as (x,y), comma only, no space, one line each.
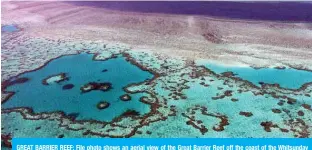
(174,95)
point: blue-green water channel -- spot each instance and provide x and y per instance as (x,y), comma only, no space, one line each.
(287,78)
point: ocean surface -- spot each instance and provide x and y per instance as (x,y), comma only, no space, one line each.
(273,11)
(80,69)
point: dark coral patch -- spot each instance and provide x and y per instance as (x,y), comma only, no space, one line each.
(276,110)
(224,122)
(298,127)
(125,97)
(10,83)
(280,103)
(300,113)
(226,93)
(306,106)
(280,67)
(291,101)
(6,140)
(203,129)
(268,125)
(284,130)
(67,86)
(286,111)
(102,105)
(234,99)
(105,86)
(130,112)
(228,74)
(199,121)
(206,85)
(246,114)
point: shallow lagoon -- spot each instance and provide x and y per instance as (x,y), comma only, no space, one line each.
(80,69)
(287,78)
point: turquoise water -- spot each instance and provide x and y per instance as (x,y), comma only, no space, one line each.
(287,78)
(9,28)
(80,69)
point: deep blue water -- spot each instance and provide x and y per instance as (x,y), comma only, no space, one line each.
(278,11)
(9,28)
(80,69)
(287,78)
